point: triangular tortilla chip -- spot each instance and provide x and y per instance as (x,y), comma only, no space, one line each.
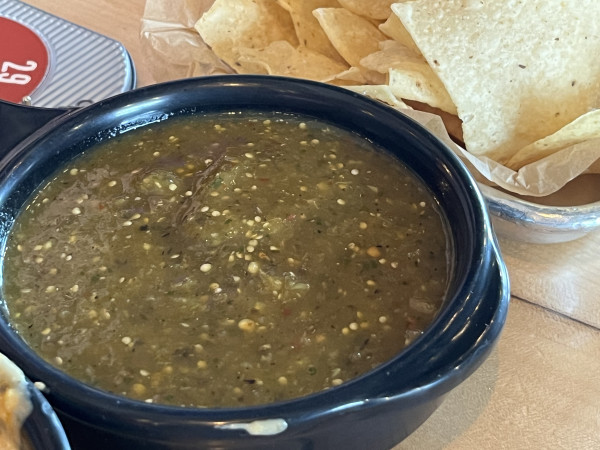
(281,58)
(582,129)
(393,28)
(517,71)
(231,24)
(354,37)
(310,34)
(410,77)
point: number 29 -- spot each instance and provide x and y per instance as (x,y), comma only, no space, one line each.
(16,78)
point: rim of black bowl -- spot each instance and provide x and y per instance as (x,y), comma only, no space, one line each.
(448,366)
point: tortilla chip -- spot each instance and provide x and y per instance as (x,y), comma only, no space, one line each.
(354,37)
(584,128)
(416,81)
(350,76)
(309,32)
(394,28)
(281,58)
(373,9)
(391,54)
(382,93)
(517,71)
(410,77)
(231,24)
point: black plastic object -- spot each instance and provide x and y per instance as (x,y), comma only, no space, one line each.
(19,121)
(375,410)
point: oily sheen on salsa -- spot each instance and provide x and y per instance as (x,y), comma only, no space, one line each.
(226,260)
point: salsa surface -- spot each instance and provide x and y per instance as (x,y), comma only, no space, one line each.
(226,260)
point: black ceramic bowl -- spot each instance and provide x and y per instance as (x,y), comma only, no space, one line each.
(373,411)
(43,429)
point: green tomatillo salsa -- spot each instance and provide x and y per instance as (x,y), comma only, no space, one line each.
(226,260)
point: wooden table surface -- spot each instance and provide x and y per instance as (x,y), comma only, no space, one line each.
(540,388)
